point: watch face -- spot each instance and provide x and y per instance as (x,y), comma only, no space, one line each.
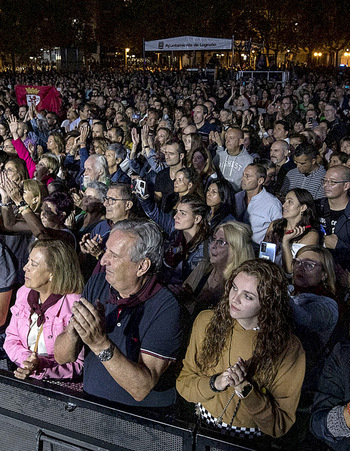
(106,354)
(246,390)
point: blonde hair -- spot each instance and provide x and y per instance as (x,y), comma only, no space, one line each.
(52,162)
(38,190)
(239,238)
(327,263)
(62,261)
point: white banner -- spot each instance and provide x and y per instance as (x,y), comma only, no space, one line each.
(190,43)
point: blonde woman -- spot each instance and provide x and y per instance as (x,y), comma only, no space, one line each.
(230,245)
(43,308)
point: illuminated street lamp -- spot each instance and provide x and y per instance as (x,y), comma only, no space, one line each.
(126,57)
(347,54)
(317,54)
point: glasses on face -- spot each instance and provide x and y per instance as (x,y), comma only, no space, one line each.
(332,182)
(111,200)
(307,265)
(218,242)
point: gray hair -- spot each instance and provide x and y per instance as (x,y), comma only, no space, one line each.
(168,123)
(100,187)
(118,149)
(101,163)
(149,241)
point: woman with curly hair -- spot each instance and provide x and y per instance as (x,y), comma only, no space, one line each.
(244,368)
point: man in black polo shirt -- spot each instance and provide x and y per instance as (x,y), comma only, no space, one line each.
(128,322)
(334,213)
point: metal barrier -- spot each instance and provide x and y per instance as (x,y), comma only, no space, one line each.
(41,416)
(276,75)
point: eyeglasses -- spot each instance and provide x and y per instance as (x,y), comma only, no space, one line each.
(332,182)
(307,265)
(112,200)
(218,243)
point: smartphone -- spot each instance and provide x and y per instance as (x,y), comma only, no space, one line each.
(267,251)
(140,187)
(311,120)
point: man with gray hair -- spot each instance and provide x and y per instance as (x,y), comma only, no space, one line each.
(128,322)
(95,168)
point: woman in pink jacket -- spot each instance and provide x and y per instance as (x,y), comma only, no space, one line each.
(43,308)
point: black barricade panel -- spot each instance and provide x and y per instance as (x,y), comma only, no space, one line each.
(207,440)
(84,421)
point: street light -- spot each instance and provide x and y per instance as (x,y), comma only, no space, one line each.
(126,57)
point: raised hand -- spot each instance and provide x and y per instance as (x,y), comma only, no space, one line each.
(135,137)
(13,124)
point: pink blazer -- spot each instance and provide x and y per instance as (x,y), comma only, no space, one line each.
(57,318)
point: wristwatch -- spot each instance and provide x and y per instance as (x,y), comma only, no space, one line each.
(106,354)
(245,391)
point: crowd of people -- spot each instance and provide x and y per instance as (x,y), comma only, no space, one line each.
(167,235)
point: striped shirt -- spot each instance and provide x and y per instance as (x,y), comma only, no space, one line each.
(311,182)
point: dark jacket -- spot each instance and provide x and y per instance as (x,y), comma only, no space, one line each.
(333,390)
(341,253)
(179,261)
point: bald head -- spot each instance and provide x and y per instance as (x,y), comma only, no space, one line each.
(233,140)
(189,130)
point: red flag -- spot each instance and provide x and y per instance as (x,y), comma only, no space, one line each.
(43,97)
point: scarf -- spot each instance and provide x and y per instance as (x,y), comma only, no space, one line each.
(149,289)
(40,309)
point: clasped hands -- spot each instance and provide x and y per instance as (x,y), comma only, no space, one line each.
(28,367)
(234,376)
(89,323)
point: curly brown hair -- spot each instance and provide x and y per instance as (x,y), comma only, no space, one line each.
(274,320)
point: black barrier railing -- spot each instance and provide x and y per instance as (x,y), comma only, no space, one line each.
(37,415)
(59,416)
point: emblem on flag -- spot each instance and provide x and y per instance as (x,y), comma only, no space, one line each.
(32,96)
